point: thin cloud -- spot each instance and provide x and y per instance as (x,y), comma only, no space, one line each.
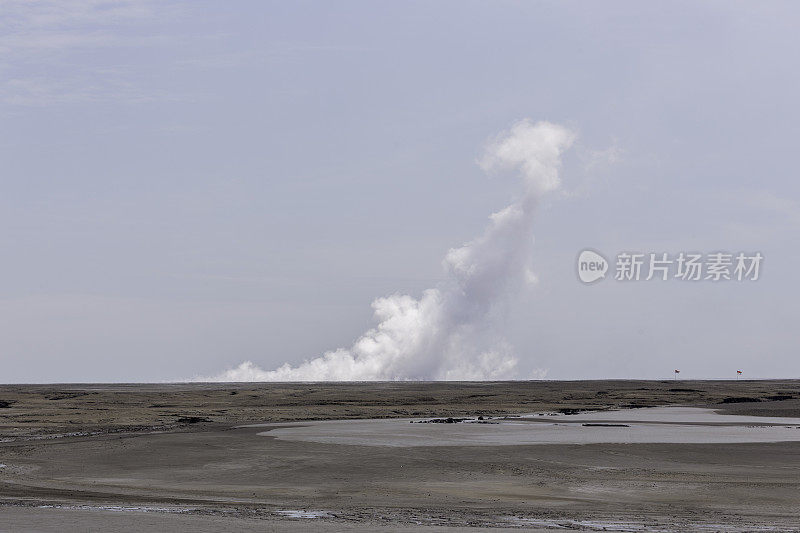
(43,37)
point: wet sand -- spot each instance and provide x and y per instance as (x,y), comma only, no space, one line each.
(181,457)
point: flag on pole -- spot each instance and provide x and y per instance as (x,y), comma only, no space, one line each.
(738,371)
(678,372)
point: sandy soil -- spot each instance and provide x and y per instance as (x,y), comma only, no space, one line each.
(174,457)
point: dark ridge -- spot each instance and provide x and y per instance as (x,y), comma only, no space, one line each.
(448,420)
(570,411)
(742,399)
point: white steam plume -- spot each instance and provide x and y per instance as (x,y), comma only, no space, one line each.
(446,334)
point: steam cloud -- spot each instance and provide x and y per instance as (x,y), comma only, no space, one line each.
(447,333)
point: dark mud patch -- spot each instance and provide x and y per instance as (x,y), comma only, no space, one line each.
(739,399)
(448,420)
(193,419)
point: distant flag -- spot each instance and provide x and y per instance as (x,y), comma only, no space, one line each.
(676,373)
(738,373)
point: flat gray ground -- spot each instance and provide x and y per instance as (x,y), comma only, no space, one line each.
(172,457)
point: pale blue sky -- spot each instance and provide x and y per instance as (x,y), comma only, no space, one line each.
(187,185)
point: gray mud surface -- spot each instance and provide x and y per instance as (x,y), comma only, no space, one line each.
(177,457)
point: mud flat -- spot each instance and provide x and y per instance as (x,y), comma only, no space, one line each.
(198,457)
(654,425)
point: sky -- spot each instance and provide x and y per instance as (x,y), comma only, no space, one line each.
(186,186)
